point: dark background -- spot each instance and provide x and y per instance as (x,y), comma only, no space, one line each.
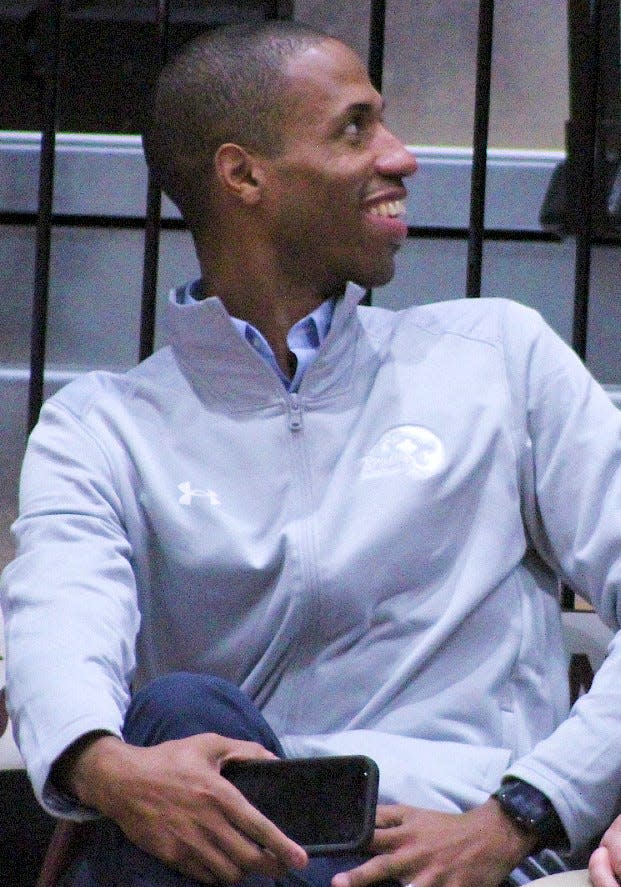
(108,59)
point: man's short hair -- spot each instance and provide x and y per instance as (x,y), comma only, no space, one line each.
(226,85)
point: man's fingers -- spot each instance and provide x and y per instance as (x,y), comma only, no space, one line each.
(269,851)
(612,843)
(237,749)
(263,843)
(388,816)
(223,852)
(600,869)
(378,868)
(388,833)
(220,869)
(384,840)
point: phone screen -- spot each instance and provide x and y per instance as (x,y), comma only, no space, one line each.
(325,804)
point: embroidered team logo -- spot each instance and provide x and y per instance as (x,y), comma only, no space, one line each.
(188,495)
(407,449)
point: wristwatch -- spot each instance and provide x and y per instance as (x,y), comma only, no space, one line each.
(531,810)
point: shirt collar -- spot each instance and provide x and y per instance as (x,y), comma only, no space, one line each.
(304,338)
(313,328)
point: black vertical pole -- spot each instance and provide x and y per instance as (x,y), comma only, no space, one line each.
(584,49)
(278,9)
(479,148)
(153,217)
(44,215)
(377,28)
(375,66)
(270,9)
(584,23)
(284,9)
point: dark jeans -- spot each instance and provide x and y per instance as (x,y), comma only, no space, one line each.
(173,707)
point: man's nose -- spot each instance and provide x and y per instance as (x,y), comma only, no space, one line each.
(394,158)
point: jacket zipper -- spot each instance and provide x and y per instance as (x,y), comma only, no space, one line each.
(295,412)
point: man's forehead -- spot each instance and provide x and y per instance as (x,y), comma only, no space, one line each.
(331,71)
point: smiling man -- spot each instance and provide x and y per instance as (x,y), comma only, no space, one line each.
(307,527)
(304,196)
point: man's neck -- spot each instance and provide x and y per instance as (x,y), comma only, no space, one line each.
(273,318)
(272,306)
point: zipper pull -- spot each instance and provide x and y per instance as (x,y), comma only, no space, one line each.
(295,412)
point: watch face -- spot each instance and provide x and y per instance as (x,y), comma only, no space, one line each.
(526,805)
(533,811)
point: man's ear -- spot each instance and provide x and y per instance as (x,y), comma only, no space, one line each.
(239,171)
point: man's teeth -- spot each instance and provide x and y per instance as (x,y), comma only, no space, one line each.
(390,208)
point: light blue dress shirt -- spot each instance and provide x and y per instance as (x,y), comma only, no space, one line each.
(303,339)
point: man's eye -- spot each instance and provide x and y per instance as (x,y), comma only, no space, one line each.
(354,129)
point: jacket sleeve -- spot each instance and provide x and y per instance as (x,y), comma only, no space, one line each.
(69,599)
(568,440)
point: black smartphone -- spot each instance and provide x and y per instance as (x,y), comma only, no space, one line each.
(327,805)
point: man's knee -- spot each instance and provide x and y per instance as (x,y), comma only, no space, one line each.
(182,704)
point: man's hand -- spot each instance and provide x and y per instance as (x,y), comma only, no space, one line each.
(430,849)
(605,862)
(171,801)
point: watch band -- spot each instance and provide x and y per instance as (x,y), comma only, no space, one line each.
(532,811)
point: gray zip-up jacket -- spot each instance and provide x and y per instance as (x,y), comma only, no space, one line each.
(373,559)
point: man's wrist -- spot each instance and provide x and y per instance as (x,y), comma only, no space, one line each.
(509,842)
(532,812)
(74,774)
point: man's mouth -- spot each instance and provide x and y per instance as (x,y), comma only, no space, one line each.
(387,217)
(389,209)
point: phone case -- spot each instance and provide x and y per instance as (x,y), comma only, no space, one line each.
(327,805)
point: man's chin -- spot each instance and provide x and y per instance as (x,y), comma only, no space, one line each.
(379,277)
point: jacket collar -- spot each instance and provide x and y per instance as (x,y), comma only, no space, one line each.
(218,361)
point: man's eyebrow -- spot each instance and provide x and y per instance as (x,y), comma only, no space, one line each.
(365,108)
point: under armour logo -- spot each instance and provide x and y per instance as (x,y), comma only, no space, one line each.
(188,494)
